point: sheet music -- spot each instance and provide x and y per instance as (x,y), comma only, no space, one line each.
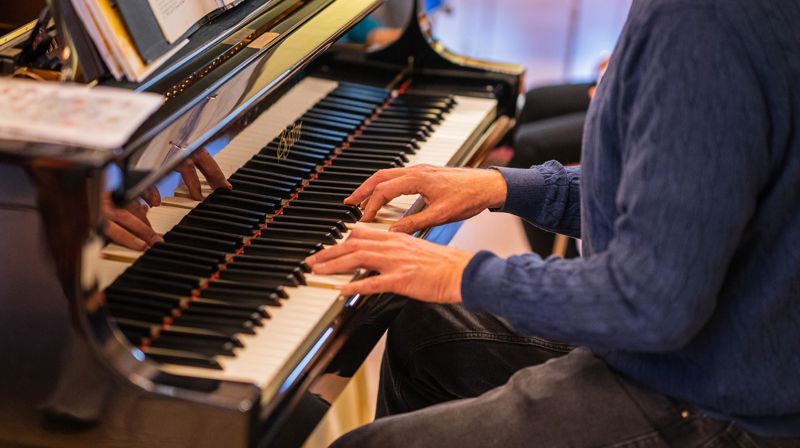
(101,118)
(175,17)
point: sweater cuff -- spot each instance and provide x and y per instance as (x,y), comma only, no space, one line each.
(526,191)
(482,283)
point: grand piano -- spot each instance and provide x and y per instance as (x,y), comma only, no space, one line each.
(219,336)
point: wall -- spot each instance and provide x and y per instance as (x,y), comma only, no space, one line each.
(557,40)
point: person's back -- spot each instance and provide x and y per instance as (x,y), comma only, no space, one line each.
(741,64)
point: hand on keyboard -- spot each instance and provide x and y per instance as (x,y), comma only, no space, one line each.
(128,226)
(451,194)
(203,161)
(408,266)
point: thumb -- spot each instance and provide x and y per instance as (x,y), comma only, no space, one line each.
(422,220)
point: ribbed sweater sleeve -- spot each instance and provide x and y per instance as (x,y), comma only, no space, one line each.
(693,125)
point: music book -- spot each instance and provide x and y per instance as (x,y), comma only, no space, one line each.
(72,114)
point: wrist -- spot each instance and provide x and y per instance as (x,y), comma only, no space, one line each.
(496,189)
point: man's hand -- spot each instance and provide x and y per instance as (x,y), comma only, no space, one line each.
(407,266)
(451,194)
(211,171)
(129,226)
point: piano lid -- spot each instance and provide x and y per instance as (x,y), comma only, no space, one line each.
(223,78)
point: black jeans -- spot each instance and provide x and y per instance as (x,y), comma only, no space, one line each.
(454,378)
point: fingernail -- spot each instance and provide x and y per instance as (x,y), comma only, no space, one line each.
(156,239)
(348,199)
(228,185)
(310,260)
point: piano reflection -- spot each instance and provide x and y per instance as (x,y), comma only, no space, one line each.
(220,335)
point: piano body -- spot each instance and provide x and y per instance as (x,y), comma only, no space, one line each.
(220,336)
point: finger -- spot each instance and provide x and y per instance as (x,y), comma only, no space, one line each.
(342,249)
(135,226)
(189,176)
(152,197)
(365,190)
(211,170)
(428,217)
(372,285)
(119,235)
(362,259)
(366,233)
(139,210)
(387,191)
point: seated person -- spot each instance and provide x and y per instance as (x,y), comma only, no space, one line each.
(685,303)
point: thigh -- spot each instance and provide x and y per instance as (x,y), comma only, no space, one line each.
(437,353)
(571,401)
(557,138)
(552,101)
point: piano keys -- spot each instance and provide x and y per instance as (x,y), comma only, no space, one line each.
(245,247)
(220,335)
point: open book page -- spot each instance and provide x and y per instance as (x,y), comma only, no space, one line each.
(175,17)
(72,114)
(103,47)
(114,33)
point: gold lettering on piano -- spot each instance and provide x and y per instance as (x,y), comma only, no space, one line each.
(288,138)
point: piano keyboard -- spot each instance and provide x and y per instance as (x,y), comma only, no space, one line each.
(227,295)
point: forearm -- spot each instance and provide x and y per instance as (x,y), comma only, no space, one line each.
(547,196)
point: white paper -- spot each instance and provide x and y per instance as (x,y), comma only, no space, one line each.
(175,17)
(72,114)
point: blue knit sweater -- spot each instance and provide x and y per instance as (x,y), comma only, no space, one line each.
(688,204)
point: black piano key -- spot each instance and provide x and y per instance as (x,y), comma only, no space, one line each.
(181,357)
(259,278)
(421,124)
(190,333)
(287,244)
(365,164)
(365,152)
(309,167)
(319,137)
(315,123)
(328,113)
(169,248)
(149,314)
(215,323)
(310,236)
(319,188)
(345,168)
(197,304)
(321,196)
(382,144)
(383,131)
(268,269)
(341,101)
(188,239)
(435,117)
(336,206)
(327,106)
(337,132)
(251,222)
(204,348)
(233,211)
(132,281)
(334,230)
(406,144)
(343,215)
(275,249)
(336,175)
(235,292)
(276,169)
(364,97)
(299,154)
(242,202)
(301,264)
(336,184)
(222,225)
(320,148)
(243,184)
(207,233)
(176,255)
(351,120)
(171,272)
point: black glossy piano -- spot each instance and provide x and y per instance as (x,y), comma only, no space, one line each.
(220,336)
